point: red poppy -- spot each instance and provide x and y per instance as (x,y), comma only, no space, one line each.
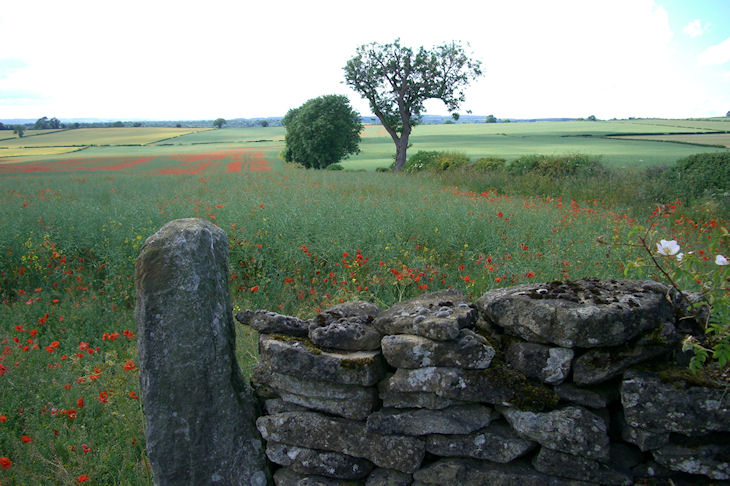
(129,365)
(5,462)
(103,397)
(85,448)
(82,478)
(133,395)
(3,418)
(80,402)
(26,439)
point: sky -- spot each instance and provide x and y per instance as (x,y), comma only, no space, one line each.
(188,60)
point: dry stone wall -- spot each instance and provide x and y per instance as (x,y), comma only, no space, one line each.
(564,383)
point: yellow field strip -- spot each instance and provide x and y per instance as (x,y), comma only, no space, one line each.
(23,152)
(99,136)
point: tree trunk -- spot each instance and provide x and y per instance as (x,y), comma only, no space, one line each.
(400,154)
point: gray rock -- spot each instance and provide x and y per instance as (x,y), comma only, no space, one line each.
(547,364)
(268,322)
(469,350)
(347,327)
(394,399)
(306,461)
(571,466)
(600,365)
(193,393)
(497,385)
(711,460)
(285,476)
(438,315)
(459,419)
(471,472)
(585,313)
(573,430)
(317,431)
(277,405)
(496,443)
(388,477)
(591,398)
(299,357)
(644,439)
(657,407)
(349,401)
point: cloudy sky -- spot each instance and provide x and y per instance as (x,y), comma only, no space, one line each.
(159,59)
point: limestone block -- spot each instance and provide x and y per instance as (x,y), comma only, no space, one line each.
(586,313)
(711,460)
(459,419)
(573,430)
(550,365)
(268,322)
(299,357)
(347,327)
(317,431)
(496,443)
(388,477)
(469,350)
(306,461)
(438,315)
(571,466)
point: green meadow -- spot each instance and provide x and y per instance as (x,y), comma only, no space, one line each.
(299,241)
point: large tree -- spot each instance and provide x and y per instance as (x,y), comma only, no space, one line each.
(321,132)
(396,80)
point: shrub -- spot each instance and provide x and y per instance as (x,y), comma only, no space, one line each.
(488,164)
(335,167)
(557,166)
(435,161)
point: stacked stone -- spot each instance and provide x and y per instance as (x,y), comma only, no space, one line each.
(318,381)
(535,384)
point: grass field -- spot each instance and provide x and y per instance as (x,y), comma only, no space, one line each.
(299,241)
(696,139)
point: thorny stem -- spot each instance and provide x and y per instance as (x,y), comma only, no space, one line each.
(661,269)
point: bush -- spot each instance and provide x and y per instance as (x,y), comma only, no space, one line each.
(435,161)
(335,167)
(489,164)
(557,166)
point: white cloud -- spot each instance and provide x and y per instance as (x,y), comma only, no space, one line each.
(694,28)
(715,55)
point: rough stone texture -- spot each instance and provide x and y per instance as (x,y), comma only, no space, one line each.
(298,357)
(398,452)
(573,430)
(347,327)
(394,399)
(496,443)
(349,401)
(469,350)
(547,364)
(599,365)
(571,466)
(712,460)
(585,313)
(388,477)
(657,407)
(437,315)
(454,383)
(598,398)
(287,477)
(306,461)
(277,405)
(199,411)
(268,322)
(471,472)
(460,419)
(643,439)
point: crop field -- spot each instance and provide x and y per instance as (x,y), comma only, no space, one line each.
(511,140)
(86,137)
(299,241)
(722,139)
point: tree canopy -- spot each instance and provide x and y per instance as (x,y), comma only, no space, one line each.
(396,80)
(219,122)
(44,123)
(321,132)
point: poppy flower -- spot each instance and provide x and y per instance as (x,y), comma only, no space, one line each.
(129,365)
(82,478)
(26,439)
(5,463)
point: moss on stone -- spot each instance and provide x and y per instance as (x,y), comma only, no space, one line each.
(305,341)
(527,396)
(355,363)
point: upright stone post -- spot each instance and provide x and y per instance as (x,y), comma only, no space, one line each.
(199,411)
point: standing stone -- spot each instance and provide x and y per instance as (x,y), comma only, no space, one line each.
(199,411)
